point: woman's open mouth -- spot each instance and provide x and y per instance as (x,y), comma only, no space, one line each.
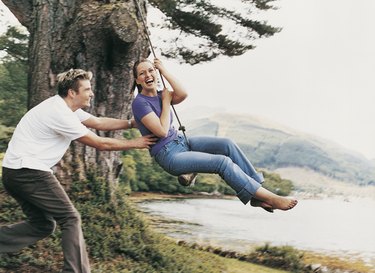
(150,81)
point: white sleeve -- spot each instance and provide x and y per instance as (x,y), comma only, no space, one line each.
(82,115)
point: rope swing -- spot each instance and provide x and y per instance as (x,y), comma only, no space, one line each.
(183,179)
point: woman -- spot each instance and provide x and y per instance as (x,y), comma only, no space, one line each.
(151,109)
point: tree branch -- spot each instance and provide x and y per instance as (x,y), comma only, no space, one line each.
(21,9)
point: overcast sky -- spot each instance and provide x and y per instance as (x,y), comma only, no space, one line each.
(315,76)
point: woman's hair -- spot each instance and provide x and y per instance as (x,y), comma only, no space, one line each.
(70,80)
(135,72)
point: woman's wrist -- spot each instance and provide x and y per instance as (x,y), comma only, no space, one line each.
(167,101)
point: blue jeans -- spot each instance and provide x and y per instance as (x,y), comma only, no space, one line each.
(212,155)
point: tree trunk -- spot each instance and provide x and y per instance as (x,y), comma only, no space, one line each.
(104,37)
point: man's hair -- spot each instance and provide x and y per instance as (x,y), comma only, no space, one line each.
(135,72)
(70,80)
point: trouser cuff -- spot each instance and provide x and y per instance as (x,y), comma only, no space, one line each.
(247,192)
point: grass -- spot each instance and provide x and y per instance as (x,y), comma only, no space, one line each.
(235,266)
(337,263)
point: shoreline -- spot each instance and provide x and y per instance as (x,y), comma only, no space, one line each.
(144,196)
(327,259)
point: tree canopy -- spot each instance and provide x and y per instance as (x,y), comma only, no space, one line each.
(195,31)
(204,29)
(13,76)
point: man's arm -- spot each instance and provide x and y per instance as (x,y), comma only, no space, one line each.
(109,124)
(112,144)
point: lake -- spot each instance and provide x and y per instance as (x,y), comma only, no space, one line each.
(333,226)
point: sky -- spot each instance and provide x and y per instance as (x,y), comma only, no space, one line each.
(315,76)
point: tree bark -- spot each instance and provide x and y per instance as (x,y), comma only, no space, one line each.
(104,37)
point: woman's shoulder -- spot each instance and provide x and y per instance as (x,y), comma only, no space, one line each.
(139,98)
(141,101)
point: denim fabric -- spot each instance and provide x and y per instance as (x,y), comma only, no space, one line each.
(212,155)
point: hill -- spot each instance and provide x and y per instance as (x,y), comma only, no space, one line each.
(272,146)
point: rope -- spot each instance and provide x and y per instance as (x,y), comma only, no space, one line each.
(181,127)
(183,179)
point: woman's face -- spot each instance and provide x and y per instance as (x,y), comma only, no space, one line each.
(147,76)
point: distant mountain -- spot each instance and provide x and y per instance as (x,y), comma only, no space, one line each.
(272,146)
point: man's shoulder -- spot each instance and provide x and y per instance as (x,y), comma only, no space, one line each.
(50,103)
(52,111)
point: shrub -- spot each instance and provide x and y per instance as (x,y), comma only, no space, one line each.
(282,257)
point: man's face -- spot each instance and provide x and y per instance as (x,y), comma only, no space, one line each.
(84,95)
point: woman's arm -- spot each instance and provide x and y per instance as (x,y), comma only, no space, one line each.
(160,126)
(179,92)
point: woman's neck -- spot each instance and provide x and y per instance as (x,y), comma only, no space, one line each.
(149,93)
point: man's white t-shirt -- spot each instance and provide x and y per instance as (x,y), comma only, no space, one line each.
(43,135)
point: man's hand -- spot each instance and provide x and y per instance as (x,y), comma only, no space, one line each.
(113,144)
(143,142)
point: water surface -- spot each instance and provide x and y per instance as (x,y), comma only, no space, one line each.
(335,226)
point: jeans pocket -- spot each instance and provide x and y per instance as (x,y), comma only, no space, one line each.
(161,155)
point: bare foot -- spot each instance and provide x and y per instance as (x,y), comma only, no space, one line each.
(275,201)
(282,203)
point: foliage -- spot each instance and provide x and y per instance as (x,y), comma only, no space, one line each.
(218,30)
(142,173)
(13,76)
(276,184)
(5,135)
(14,44)
(336,263)
(283,257)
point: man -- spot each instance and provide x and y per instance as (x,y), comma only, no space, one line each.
(38,143)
